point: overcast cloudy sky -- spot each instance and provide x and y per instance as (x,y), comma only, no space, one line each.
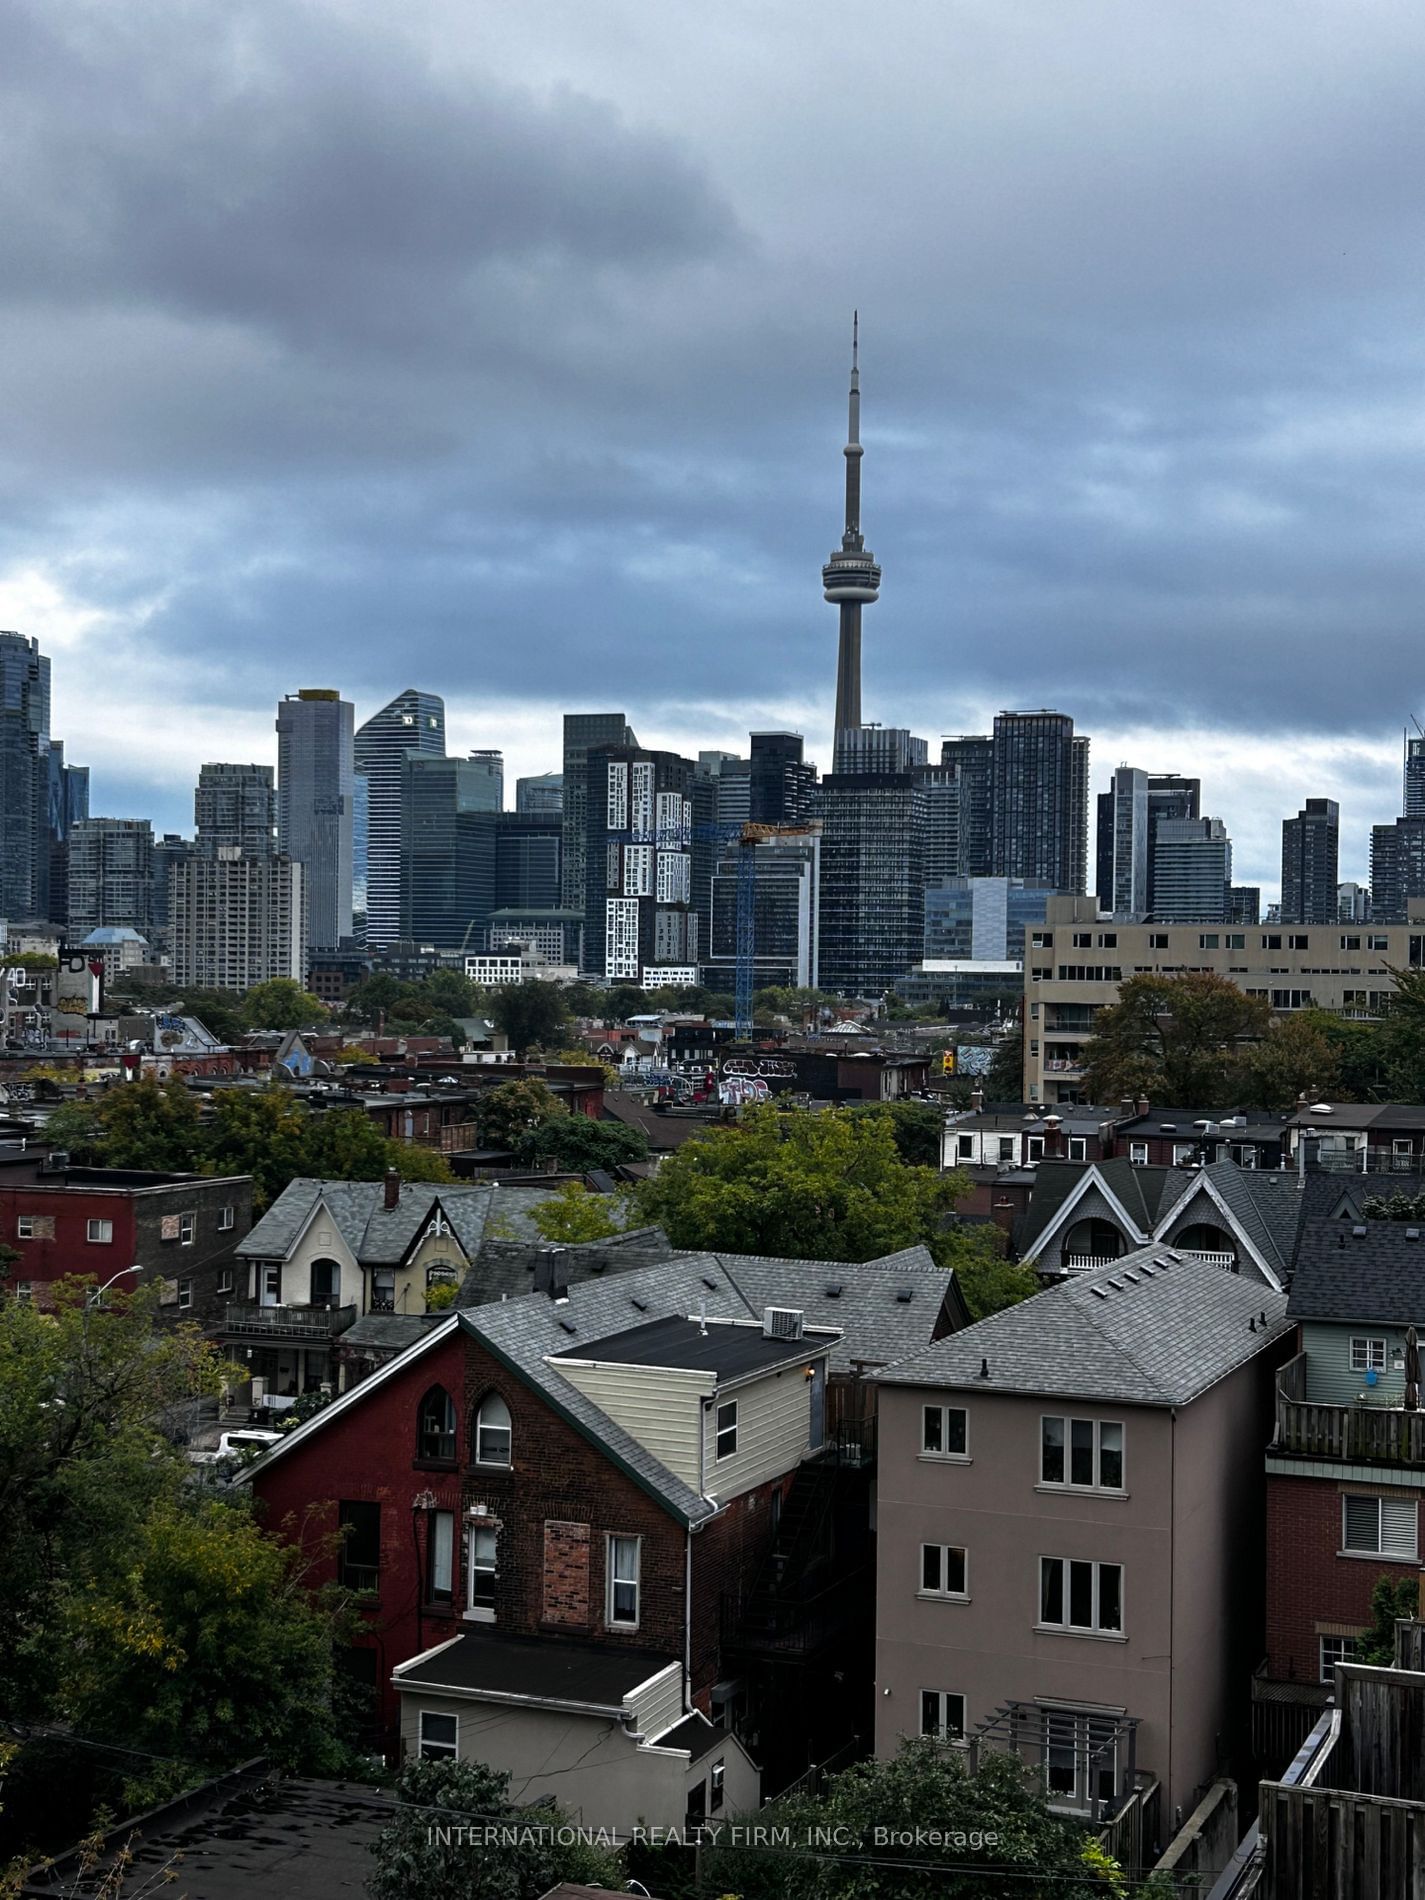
(500,350)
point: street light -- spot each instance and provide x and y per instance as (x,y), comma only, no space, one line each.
(96,1294)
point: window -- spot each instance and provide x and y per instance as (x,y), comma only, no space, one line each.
(1383,1527)
(965,1147)
(440,1557)
(1094,1450)
(483,1548)
(440,1736)
(185,1295)
(944,1571)
(942,1431)
(185,1230)
(1108,940)
(1083,940)
(1183,1151)
(1035,1143)
(101,1232)
(326,1283)
(1335,1649)
(435,1435)
(225,1219)
(359,1565)
(383,1290)
(1272,942)
(1006,1148)
(25,1227)
(621,1607)
(1078,1148)
(1138,1153)
(493,1431)
(942,1714)
(1236,941)
(1075,1595)
(1350,943)
(1368,1355)
(727,1428)
(717,1786)
(1378,942)
(1080,1758)
(1208,940)
(1298,943)
(225,1280)
(1158,940)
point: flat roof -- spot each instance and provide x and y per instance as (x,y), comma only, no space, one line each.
(536,1668)
(727,1351)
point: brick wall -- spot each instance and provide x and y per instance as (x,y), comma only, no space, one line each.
(1308,1584)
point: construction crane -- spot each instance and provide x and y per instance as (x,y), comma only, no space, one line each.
(747,837)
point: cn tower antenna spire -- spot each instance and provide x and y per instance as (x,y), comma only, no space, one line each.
(851,579)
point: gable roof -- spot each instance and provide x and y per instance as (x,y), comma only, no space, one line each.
(1343,1273)
(382,1237)
(1153,1328)
(1263,1207)
(1136,1192)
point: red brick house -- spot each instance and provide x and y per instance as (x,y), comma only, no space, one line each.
(636,1463)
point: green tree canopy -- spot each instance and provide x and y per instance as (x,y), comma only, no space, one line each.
(573,1214)
(282,1003)
(1400,1039)
(622,1001)
(919,1129)
(146,1124)
(531,1014)
(1296,1056)
(1392,1598)
(1175,1039)
(576,1143)
(511,1113)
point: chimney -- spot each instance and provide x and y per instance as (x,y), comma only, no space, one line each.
(977,1100)
(551,1273)
(1142,1105)
(391,1197)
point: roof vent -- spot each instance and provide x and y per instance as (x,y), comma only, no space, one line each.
(984,1368)
(711,1285)
(1132,1278)
(640,1306)
(1321,1108)
(904,1295)
(567,1326)
(1358,1233)
(1117,1285)
(781,1322)
(833,1291)
(1098,1292)
(1412,1233)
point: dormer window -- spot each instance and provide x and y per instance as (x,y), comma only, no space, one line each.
(493,1432)
(435,1437)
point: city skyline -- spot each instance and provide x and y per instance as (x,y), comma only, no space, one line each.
(1146,443)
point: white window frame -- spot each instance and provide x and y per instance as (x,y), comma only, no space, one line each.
(717,1787)
(943,1453)
(427,1749)
(1347,1647)
(227,1218)
(1078,1148)
(480,1612)
(1368,1354)
(25,1227)
(1097,1627)
(508,1429)
(1066,1483)
(725,1429)
(1397,1551)
(185,1295)
(1137,1154)
(612,1581)
(225,1280)
(99,1233)
(187,1223)
(943,1556)
(946,1702)
(440,1592)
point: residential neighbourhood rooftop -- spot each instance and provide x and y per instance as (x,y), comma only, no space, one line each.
(525,1669)
(689,1344)
(1360,1270)
(1153,1328)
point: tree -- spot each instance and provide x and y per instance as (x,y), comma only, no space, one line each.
(262,1133)
(1401,1038)
(1174,1039)
(376,995)
(511,1112)
(1296,1057)
(576,1143)
(986,1279)
(539,1856)
(1392,1598)
(625,1000)
(824,1186)
(572,1215)
(1003,1081)
(282,1003)
(451,993)
(1006,1837)
(919,1129)
(531,1014)
(147,1125)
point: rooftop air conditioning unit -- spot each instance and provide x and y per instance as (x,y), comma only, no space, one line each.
(781,1322)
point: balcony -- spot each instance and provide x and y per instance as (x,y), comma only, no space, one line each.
(1376,1161)
(273,1323)
(1353,1433)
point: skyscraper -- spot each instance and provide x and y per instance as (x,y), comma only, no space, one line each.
(784,904)
(542,794)
(413,722)
(1310,855)
(527,846)
(851,579)
(316,805)
(24,778)
(872,922)
(1123,856)
(235,808)
(491,766)
(110,875)
(582,732)
(1192,871)
(1040,800)
(641,924)
(959,814)
(1413,802)
(782,783)
(447,862)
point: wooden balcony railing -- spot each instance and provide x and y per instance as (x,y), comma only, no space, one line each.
(287,1322)
(1354,1433)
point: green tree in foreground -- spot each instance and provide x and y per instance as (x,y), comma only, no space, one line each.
(1174,1039)
(531,1014)
(1012,1842)
(919,1129)
(411,1859)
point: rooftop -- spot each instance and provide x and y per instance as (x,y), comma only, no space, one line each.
(1153,1328)
(1360,1270)
(728,1351)
(533,1669)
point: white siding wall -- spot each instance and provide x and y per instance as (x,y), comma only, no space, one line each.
(660,1408)
(658,1706)
(321,1240)
(773,1428)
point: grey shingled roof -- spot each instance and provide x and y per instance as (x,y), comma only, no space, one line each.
(1151,1329)
(382,1238)
(1265,1204)
(388,1332)
(1140,1191)
(878,1326)
(1375,1275)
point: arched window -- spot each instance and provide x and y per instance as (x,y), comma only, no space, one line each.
(492,1431)
(435,1433)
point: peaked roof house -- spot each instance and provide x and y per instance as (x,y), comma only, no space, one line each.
(1069,1537)
(640,1462)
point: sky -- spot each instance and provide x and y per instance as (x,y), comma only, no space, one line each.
(501,350)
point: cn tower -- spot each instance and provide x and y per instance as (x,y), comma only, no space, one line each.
(851,578)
